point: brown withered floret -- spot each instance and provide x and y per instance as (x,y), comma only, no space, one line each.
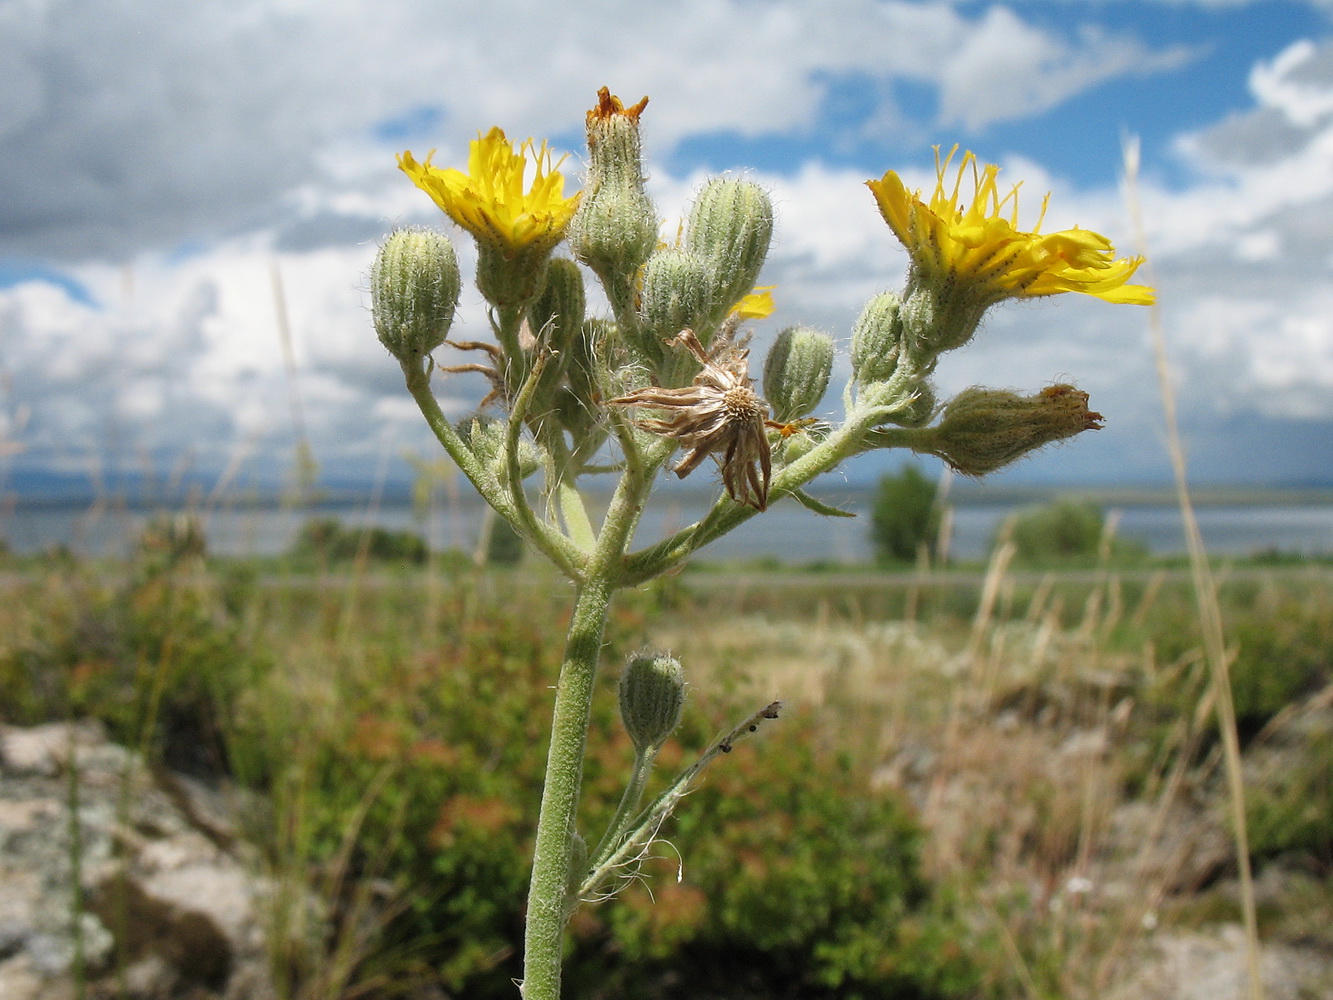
(719,414)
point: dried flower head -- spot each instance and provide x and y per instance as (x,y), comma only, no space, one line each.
(718,412)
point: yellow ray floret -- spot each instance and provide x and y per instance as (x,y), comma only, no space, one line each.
(757,305)
(489,200)
(980,247)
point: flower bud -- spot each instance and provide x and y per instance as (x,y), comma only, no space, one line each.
(982,430)
(578,864)
(556,315)
(511,278)
(730,227)
(674,297)
(414,286)
(799,444)
(877,340)
(796,372)
(938,319)
(615,228)
(652,695)
(919,411)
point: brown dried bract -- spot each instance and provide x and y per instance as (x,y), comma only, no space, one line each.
(719,414)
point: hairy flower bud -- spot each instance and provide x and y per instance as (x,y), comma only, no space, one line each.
(936,319)
(877,340)
(674,297)
(556,315)
(796,372)
(615,228)
(730,227)
(983,430)
(414,287)
(652,695)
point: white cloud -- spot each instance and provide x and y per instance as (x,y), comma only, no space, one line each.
(129,126)
(1007,69)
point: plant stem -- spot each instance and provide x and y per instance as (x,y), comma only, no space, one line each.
(629,801)
(560,793)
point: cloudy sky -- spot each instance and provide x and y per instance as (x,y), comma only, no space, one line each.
(162,162)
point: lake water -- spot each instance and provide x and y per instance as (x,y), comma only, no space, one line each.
(787,531)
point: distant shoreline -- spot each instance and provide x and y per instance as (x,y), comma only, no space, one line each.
(960,494)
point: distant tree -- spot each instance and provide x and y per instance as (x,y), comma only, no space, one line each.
(904,518)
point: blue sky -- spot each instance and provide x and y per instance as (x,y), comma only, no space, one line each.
(164,162)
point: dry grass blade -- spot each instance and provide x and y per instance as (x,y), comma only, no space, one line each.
(1205,592)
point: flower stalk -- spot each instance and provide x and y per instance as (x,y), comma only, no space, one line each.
(668,372)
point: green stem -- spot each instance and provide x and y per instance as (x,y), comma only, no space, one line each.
(559,549)
(560,794)
(727,515)
(549,890)
(643,768)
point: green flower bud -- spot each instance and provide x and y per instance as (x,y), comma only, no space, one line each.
(921,409)
(414,286)
(578,867)
(730,227)
(508,279)
(556,315)
(797,371)
(615,228)
(799,444)
(939,319)
(652,695)
(877,340)
(674,297)
(982,430)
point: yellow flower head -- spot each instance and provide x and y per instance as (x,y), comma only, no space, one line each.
(980,249)
(489,201)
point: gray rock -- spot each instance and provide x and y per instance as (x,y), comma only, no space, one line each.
(150,891)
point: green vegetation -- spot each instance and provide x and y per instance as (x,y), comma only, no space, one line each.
(1065,532)
(327,539)
(868,846)
(904,519)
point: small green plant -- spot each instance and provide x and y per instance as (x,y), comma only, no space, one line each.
(905,520)
(1063,531)
(329,540)
(668,371)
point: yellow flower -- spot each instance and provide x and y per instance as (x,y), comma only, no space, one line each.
(980,250)
(757,305)
(489,201)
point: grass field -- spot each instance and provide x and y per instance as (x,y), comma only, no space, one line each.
(983,783)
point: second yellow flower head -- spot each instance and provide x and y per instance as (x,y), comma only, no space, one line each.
(980,250)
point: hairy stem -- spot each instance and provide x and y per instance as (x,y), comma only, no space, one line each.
(560,793)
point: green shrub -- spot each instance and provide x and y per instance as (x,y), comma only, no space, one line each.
(1290,806)
(1064,530)
(329,540)
(904,518)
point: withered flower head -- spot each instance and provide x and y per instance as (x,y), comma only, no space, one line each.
(718,412)
(608,106)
